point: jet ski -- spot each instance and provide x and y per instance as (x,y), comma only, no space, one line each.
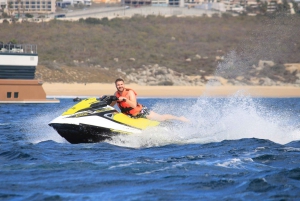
(94,120)
(76,99)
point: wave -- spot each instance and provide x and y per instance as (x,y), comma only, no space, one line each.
(14,155)
(4,124)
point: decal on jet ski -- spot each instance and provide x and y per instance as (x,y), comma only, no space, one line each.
(82,114)
(81,106)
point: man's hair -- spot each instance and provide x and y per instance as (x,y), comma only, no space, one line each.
(118,80)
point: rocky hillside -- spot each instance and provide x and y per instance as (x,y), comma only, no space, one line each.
(155,50)
(265,74)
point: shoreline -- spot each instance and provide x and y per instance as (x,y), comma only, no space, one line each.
(99,89)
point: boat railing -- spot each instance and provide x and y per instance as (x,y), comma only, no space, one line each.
(18,48)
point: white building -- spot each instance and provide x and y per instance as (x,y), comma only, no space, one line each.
(160,2)
(3,4)
(84,2)
(66,3)
(28,6)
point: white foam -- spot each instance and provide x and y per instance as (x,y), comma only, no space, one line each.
(37,128)
(4,124)
(125,164)
(215,120)
(232,163)
(158,136)
(291,149)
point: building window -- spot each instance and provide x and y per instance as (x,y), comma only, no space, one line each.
(8,94)
(16,94)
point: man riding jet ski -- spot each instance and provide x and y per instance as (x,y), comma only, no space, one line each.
(93,120)
(127,102)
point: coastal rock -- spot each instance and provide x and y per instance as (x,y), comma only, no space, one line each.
(161,75)
(152,83)
(267,82)
(239,78)
(297,82)
(291,67)
(197,56)
(263,63)
(151,79)
(218,58)
(216,79)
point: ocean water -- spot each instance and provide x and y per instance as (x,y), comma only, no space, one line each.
(235,148)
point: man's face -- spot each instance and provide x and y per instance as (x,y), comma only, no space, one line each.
(120,86)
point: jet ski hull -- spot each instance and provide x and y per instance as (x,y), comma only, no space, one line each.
(82,133)
(92,121)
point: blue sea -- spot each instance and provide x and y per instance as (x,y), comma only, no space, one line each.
(234,148)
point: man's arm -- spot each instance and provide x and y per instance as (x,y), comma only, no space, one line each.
(113,102)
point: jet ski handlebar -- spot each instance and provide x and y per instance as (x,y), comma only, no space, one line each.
(104,100)
(108,98)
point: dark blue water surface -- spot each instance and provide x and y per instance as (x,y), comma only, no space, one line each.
(235,148)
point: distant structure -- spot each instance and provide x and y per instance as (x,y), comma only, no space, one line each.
(28,6)
(21,7)
(67,3)
(17,75)
(108,1)
(236,6)
(139,2)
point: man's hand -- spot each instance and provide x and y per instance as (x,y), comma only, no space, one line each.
(122,98)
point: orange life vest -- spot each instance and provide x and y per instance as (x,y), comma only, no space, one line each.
(124,106)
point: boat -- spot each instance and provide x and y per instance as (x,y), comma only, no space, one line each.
(94,120)
(77,99)
(17,75)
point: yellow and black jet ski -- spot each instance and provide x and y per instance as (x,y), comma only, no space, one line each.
(94,120)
